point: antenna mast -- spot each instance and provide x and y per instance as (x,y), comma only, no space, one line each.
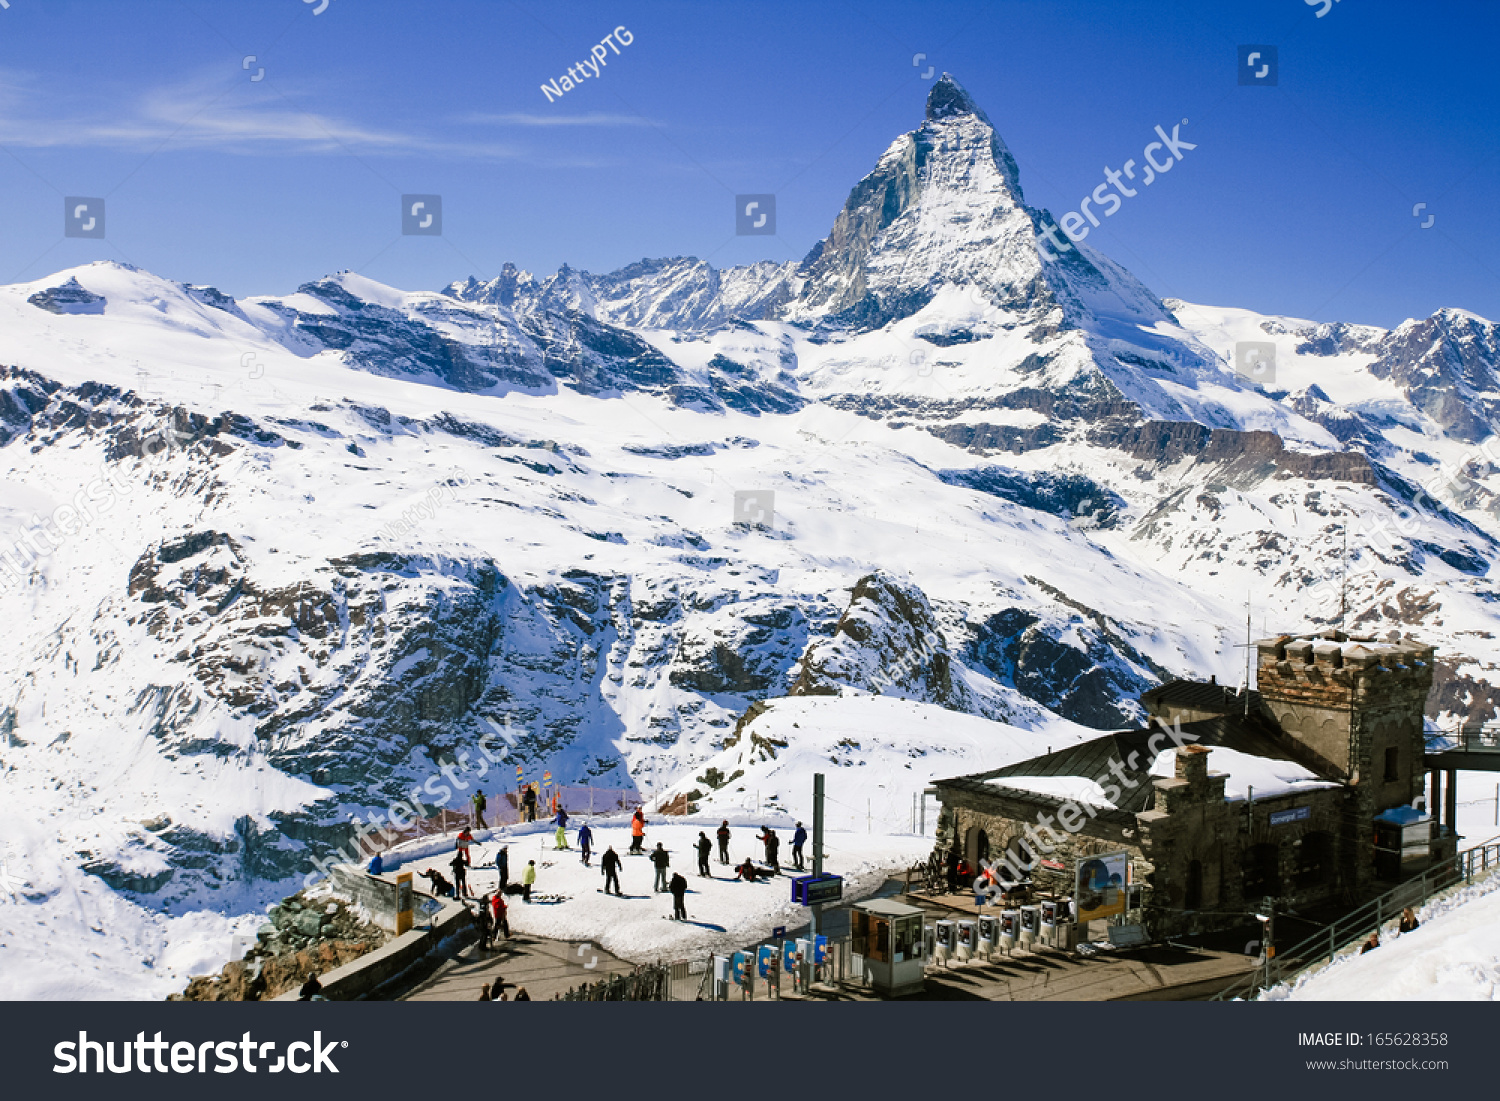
(1344,580)
(1247,655)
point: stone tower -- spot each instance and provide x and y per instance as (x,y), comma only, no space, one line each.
(1351,709)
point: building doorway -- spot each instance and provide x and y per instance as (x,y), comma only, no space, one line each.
(1262,872)
(1192,895)
(1315,863)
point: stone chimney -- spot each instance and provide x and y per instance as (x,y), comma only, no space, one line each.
(1192,763)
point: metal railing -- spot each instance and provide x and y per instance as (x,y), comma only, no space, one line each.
(1353,927)
(1466,738)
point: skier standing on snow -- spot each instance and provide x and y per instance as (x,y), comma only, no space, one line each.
(479,803)
(798,840)
(585,842)
(772,843)
(662,860)
(611,866)
(528,803)
(723,836)
(502,918)
(528,879)
(562,818)
(679,903)
(705,847)
(465,839)
(502,865)
(460,876)
(637,831)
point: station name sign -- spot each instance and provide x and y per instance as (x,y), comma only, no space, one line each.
(816,890)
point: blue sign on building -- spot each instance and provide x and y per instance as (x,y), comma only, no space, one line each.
(1296,814)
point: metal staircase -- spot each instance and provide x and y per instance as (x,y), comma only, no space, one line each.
(1355,926)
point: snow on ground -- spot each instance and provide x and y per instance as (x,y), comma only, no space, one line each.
(725,913)
(1453,956)
(876,754)
(81,941)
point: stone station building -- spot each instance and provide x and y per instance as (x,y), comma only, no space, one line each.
(1270,794)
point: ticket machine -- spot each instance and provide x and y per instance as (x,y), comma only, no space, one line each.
(1030,925)
(947,936)
(989,936)
(1010,930)
(965,940)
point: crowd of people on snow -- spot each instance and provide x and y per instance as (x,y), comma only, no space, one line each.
(491,910)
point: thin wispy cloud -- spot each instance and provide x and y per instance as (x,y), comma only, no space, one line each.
(205,114)
(543,119)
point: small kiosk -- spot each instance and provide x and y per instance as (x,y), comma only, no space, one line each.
(886,943)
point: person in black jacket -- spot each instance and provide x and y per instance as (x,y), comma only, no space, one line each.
(460,876)
(705,848)
(723,836)
(310,989)
(502,865)
(1408,920)
(679,902)
(441,888)
(484,923)
(662,860)
(611,865)
(772,843)
(798,840)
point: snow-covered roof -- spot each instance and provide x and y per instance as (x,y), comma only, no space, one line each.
(1245,771)
(1077,789)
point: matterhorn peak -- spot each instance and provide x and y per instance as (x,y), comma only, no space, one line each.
(949,100)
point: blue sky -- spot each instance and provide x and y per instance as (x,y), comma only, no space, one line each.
(1298,198)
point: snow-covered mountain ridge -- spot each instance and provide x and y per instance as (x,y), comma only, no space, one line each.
(351,524)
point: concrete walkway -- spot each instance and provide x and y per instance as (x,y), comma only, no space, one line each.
(1147,974)
(544,967)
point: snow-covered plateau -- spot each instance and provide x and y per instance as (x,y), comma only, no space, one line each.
(269,563)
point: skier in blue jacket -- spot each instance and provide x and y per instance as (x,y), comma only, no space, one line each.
(585,842)
(798,840)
